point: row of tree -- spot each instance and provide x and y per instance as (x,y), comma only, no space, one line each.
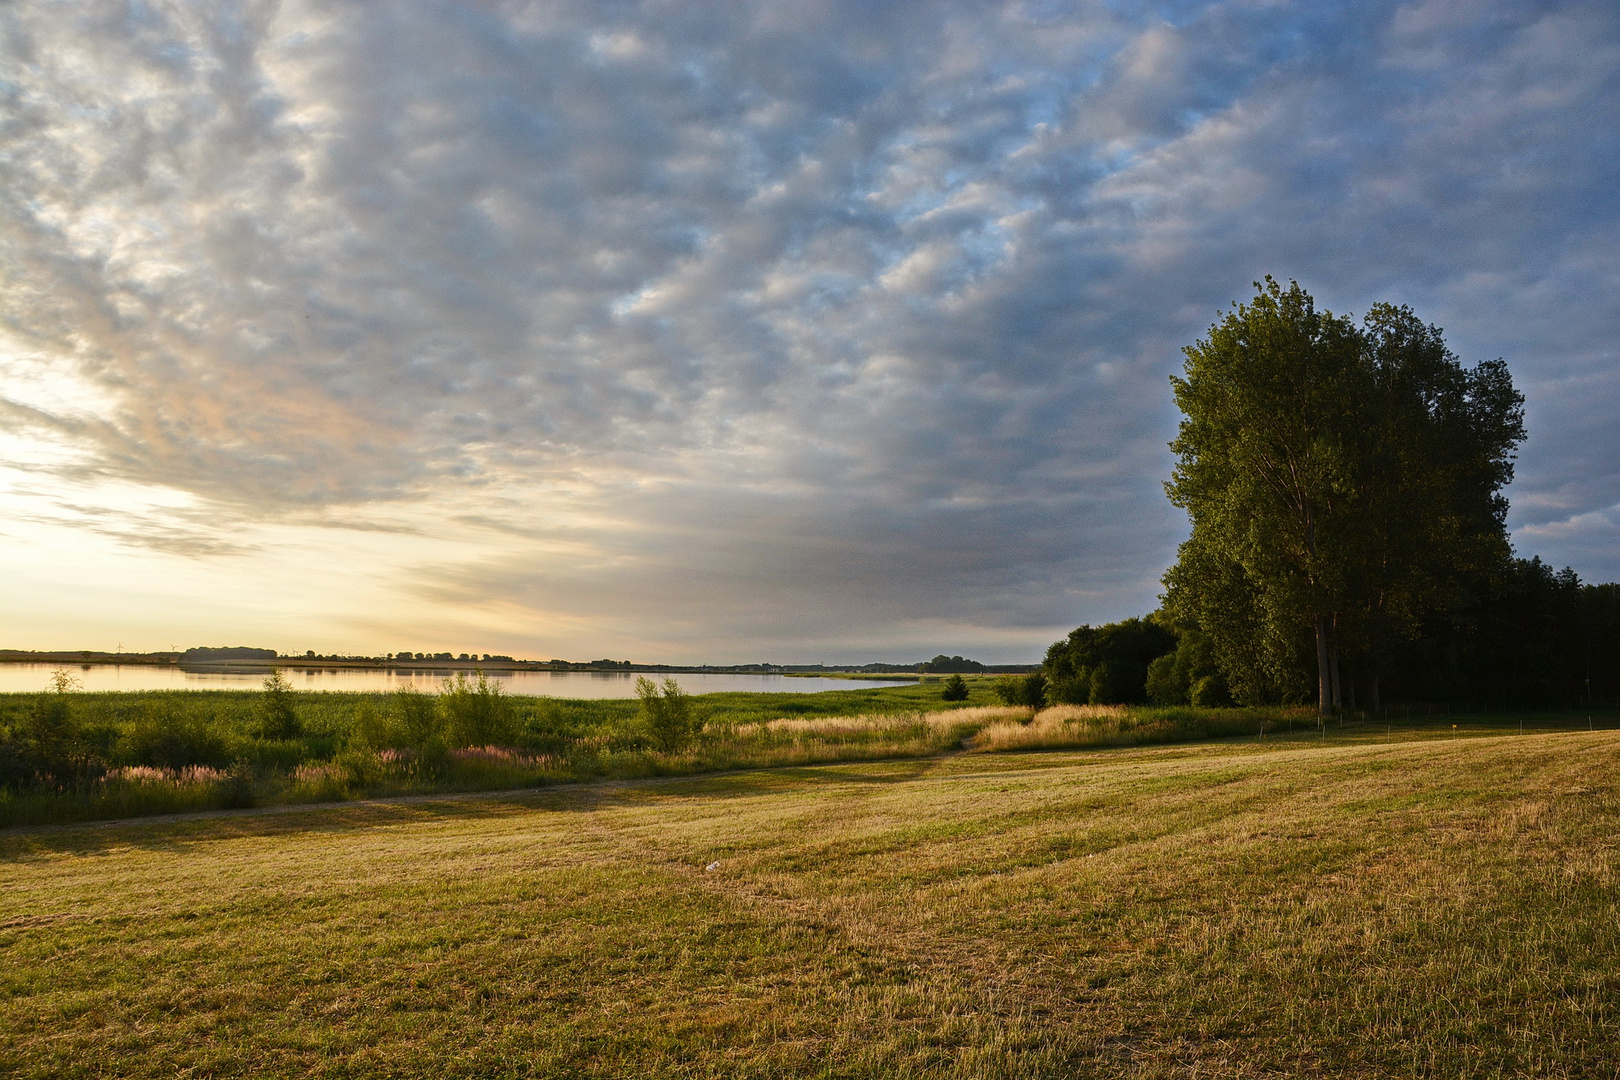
(1531,637)
(1344,485)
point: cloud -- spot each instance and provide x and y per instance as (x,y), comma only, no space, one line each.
(859,312)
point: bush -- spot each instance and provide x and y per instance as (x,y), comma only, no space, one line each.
(16,768)
(956,689)
(166,737)
(278,720)
(1166,682)
(667,716)
(1027,690)
(1209,692)
(49,747)
(477,712)
(373,729)
(1187,676)
(418,720)
(239,789)
(548,730)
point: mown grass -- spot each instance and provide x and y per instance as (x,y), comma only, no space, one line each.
(1358,908)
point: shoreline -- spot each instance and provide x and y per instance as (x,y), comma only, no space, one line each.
(86,658)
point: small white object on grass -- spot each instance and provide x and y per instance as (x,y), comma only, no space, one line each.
(713,866)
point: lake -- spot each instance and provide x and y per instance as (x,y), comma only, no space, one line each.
(562,684)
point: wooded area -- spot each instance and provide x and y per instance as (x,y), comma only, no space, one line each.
(1344,486)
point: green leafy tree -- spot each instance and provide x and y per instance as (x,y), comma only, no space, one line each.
(666,713)
(1436,449)
(1339,481)
(1108,664)
(956,689)
(1187,676)
(943,664)
(278,718)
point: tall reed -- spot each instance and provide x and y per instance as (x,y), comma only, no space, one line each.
(1079,726)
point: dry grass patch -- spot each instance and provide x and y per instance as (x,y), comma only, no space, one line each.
(1058,727)
(1063,727)
(833,726)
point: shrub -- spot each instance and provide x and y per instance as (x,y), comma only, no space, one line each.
(373,729)
(476,712)
(1187,676)
(956,689)
(1029,690)
(278,720)
(15,766)
(548,730)
(48,746)
(166,737)
(1166,681)
(418,721)
(667,716)
(1209,692)
(238,789)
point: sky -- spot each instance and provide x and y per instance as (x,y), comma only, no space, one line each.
(794,331)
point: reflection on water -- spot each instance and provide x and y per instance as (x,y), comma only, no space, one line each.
(566,684)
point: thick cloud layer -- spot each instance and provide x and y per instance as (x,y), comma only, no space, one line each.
(833,328)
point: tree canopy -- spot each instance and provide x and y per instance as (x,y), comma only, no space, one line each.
(1343,484)
(1106,665)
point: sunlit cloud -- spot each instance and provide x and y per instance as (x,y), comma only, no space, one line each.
(832,330)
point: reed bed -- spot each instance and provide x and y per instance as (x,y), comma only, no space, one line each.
(790,741)
(164,753)
(147,774)
(1069,727)
(138,791)
(868,725)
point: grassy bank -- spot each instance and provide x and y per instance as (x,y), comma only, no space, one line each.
(1435,907)
(132,754)
(129,755)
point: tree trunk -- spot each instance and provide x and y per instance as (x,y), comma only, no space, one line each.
(1372,693)
(1324,682)
(1333,664)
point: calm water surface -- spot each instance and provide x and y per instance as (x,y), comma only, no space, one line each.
(564,684)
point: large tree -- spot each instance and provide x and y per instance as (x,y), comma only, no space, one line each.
(1341,482)
(1435,449)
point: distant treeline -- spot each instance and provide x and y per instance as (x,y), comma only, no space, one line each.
(228,652)
(1525,637)
(242,654)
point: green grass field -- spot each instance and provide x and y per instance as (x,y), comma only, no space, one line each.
(1422,906)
